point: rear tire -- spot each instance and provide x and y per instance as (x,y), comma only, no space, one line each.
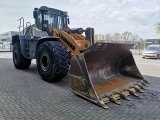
(53,61)
(20,62)
(157,56)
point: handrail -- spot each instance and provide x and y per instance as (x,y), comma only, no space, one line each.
(21,24)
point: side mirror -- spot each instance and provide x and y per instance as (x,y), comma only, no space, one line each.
(35,14)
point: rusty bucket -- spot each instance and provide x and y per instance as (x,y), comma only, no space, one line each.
(106,72)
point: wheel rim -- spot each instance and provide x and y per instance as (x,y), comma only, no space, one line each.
(44,61)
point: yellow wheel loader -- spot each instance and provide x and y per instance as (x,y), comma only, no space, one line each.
(100,72)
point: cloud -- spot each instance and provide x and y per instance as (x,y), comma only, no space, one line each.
(105,16)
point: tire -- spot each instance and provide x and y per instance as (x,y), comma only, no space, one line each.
(157,56)
(53,61)
(20,62)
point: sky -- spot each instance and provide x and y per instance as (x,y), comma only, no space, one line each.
(105,16)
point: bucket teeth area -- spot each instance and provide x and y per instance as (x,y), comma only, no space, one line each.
(114,96)
(141,85)
(102,103)
(105,99)
(124,94)
(138,88)
(144,83)
(132,91)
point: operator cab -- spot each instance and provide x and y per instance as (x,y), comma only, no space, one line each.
(50,18)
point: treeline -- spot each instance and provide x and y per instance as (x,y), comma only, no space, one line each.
(126,37)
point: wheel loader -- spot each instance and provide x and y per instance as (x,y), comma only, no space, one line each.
(99,72)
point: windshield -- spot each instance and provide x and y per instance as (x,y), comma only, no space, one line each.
(55,21)
(152,48)
(52,20)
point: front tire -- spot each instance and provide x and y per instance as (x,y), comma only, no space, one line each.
(20,62)
(53,61)
(157,56)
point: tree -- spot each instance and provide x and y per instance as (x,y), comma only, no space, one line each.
(108,37)
(126,36)
(102,37)
(116,37)
(157,27)
(141,42)
(96,37)
(135,38)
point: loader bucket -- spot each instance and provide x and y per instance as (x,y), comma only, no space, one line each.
(105,72)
